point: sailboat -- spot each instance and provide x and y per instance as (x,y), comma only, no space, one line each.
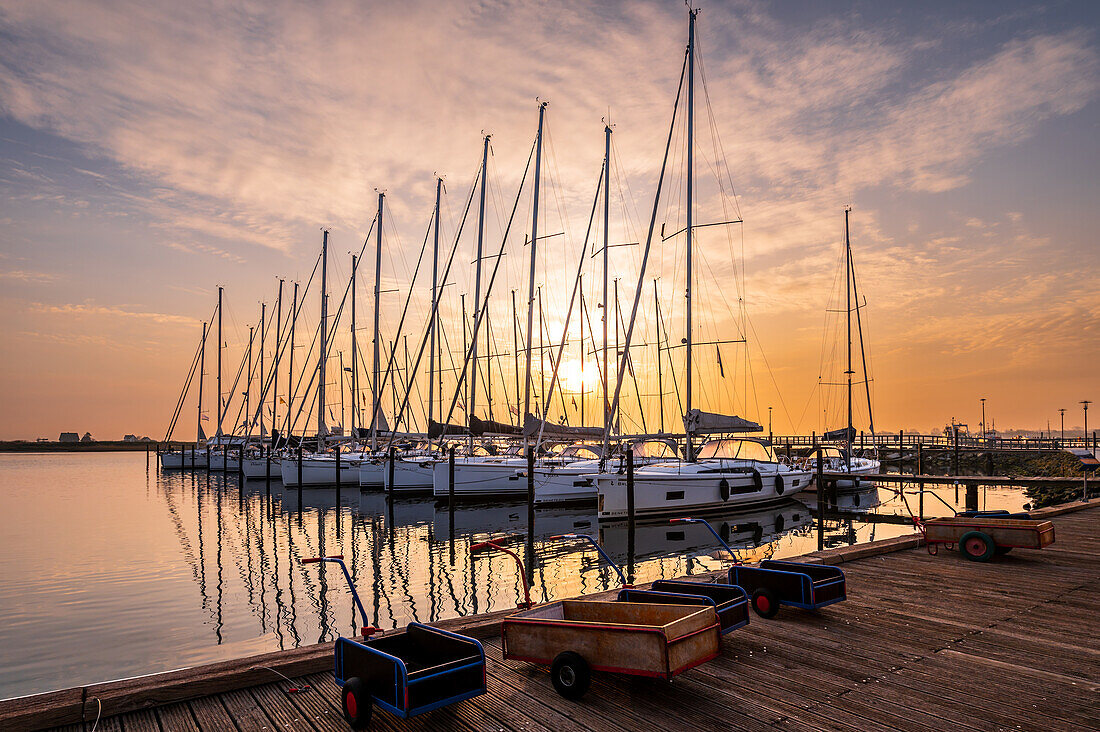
(727,472)
(839,458)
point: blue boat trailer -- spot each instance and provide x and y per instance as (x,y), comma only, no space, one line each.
(773,583)
(407,673)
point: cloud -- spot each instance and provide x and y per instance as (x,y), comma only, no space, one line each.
(88,309)
(37,278)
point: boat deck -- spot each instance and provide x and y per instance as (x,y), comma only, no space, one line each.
(924,642)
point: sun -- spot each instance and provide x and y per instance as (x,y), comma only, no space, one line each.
(576,376)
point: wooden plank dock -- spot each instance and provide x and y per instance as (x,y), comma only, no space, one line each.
(924,642)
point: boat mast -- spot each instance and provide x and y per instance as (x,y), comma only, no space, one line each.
(324,346)
(689,451)
(435,305)
(657,327)
(220,415)
(848,298)
(581,287)
(531,278)
(477,288)
(290,367)
(260,371)
(859,326)
(606,220)
(515,352)
(275,367)
(199,435)
(354,350)
(376,395)
(248,383)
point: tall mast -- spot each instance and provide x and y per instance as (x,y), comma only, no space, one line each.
(581,319)
(531,279)
(434,310)
(275,368)
(477,285)
(199,435)
(515,352)
(220,341)
(690,452)
(657,327)
(290,367)
(324,345)
(859,326)
(606,221)
(848,310)
(375,392)
(260,371)
(248,381)
(618,354)
(354,349)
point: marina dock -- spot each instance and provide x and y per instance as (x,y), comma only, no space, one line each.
(923,642)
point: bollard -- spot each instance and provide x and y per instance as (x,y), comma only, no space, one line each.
(820,499)
(630,528)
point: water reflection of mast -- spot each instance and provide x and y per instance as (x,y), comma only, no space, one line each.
(218,504)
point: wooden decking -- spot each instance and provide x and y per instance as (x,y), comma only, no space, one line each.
(923,643)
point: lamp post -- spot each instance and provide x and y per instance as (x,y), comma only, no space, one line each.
(769,424)
(1085,403)
(983,419)
(1062,412)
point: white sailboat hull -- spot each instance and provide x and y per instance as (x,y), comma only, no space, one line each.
(859,467)
(176,461)
(481,479)
(697,488)
(410,476)
(320,472)
(257,468)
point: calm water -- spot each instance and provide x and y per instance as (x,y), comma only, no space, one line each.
(109,569)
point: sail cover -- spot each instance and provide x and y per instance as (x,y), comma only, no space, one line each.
(532,425)
(438,429)
(704,423)
(844,433)
(484,426)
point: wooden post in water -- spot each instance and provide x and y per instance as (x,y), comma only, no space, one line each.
(240,463)
(183,454)
(820,498)
(339,482)
(267,453)
(530,513)
(147,455)
(299,476)
(192,457)
(630,516)
(451,478)
(920,485)
(389,471)
(225,457)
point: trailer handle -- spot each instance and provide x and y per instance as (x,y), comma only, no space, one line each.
(622,579)
(368,629)
(522,572)
(710,528)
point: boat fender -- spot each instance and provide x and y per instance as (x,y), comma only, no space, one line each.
(757,480)
(724,531)
(724,489)
(779,487)
(857,482)
(779,522)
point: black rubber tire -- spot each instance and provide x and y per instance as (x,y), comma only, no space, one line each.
(764,603)
(357,710)
(570,675)
(977,546)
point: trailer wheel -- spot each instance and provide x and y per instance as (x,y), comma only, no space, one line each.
(356,703)
(978,546)
(571,675)
(764,603)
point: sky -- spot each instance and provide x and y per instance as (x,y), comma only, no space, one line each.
(153,151)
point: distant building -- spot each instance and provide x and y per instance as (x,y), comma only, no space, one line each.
(87,437)
(69,437)
(130,438)
(145,439)
(43,439)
